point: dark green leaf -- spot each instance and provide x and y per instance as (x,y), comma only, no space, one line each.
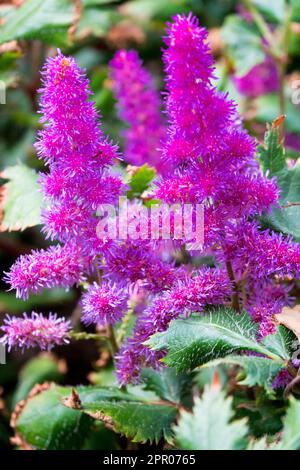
(44,423)
(40,369)
(272,158)
(257,370)
(290,436)
(196,340)
(168,384)
(128,413)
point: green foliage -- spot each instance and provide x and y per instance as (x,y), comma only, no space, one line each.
(168,384)
(38,370)
(129,414)
(256,370)
(45,424)
(21,200)
(268,109)
(209,426)
(243,44)
(273,11)
(140,180)
(196,340)
(290,435)
(272,158)
(39,19)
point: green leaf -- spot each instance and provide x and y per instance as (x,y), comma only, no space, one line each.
(268,109)
(257,370)
(281,343)
(140,180)
(39,19)
(168,384)
(273,11)
(290,435)
(196,340)
(40,369)
(101,438)
(295,10)
(291,429)
(45,424)
(272,159)
(21,199)
(209,426)
(243,43)
(96,22)
(139,419)
(272,154)
(96,3)
(149,9)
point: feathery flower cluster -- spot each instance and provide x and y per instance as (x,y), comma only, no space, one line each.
(139,107)
(102,304)
(212,160)
(78,155)
(55,267)
(206,287)
(35,331)
(207,158)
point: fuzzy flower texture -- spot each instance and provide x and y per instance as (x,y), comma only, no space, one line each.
(202,154)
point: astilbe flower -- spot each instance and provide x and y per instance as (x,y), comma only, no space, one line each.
(262,309)
(55,267)
(102,304)
(139,107)
(216,161)
(137,263)
(206,287)
(206,142)
(260,253)
(35,331)
(282,379)
(78,155)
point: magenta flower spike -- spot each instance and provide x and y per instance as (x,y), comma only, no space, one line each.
(35,331)
(139,106)
(102,304)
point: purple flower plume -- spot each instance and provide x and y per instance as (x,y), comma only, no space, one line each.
(102,304)
(139,107)
(35,331)
(78,154)
(58,266)
(207,287)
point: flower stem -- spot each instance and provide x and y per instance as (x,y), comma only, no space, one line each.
(125,323)
(83,335)
(112,339)
(235,295)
